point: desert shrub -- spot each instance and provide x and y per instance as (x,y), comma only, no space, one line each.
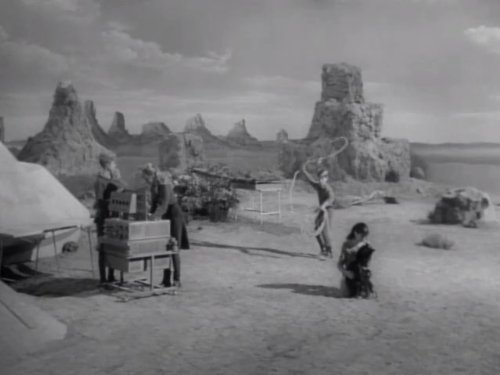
(437,241)
(201,197)
(392,176)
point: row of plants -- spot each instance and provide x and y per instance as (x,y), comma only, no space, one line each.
(203,197)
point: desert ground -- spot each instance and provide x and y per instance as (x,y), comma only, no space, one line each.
(257,300)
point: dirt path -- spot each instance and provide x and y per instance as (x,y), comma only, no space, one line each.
(256,300)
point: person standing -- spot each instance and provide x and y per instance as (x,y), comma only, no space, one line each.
(164,205)
(324,217)
(108,180)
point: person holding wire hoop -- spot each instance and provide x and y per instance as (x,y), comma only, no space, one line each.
(324,216)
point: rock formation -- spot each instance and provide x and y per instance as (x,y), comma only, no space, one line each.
(66,145)
(463,206)
(342,112)
(239,135)
(282,136)
(97,131)
(181,151)
(153,132)
(117,131)
(2,131)
(196,125)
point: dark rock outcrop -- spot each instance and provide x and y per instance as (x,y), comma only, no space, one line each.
(196,125)
(97,131)
(465,206)
(180,151)
(66,145)
(154,132)
(117,131)
(282,136)
(239,135)
(2,131)
(342,112)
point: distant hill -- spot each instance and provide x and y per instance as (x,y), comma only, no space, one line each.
(473,153)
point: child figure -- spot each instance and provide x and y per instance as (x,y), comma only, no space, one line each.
(353,263)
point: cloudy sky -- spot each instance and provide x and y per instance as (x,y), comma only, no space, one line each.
(434,64)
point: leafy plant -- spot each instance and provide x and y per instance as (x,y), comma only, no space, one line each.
(204,196)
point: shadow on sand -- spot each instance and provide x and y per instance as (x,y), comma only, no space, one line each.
(310,290)
(58,287)
(249,250)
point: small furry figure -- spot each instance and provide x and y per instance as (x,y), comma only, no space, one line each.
(360,284)
(353,262)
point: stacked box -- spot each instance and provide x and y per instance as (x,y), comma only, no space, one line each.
(125,230)
(134,248)
(137,265)
(131,203)
(123,202)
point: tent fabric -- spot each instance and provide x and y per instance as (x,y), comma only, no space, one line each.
(32,200)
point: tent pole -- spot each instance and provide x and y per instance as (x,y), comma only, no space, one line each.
(91,251)
(55,249)
(1,255)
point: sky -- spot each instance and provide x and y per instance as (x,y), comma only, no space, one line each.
(433,64)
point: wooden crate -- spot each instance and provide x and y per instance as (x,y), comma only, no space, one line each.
(131,265)
(134,248)
(126,230)
(124,264)
(130,202)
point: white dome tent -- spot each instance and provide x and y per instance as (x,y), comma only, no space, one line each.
(32,204)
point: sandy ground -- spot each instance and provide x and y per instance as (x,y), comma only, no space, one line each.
(256,300)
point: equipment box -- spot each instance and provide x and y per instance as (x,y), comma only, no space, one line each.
(132,265)
(126,265)
(125,230)
(135,248)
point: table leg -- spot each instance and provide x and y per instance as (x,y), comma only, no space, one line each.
(152,264)
(260,210)
(37,254)
(55,249)
(279,206)
(1,255)
(91,251)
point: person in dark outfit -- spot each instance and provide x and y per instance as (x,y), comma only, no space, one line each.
(164,205)
(107,181)
(353,262)
(324,218)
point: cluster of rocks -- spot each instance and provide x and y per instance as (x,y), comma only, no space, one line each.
(240,136)
(465,206)
(66,145)
(343,112)
(72,139)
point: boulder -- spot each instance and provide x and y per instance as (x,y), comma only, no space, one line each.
(282,136)
(239,134)
(66,145)
(465,206)
(181,151)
